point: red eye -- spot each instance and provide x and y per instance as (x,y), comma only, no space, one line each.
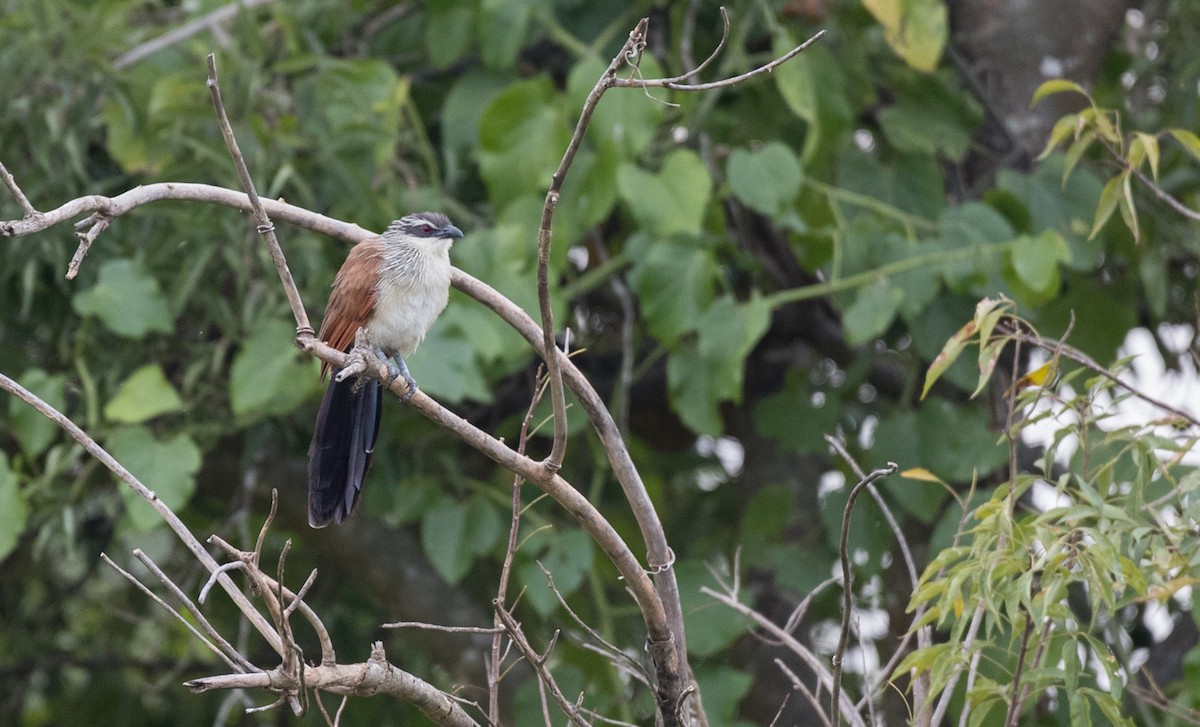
(426,229)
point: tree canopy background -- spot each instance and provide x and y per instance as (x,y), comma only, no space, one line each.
(747,270)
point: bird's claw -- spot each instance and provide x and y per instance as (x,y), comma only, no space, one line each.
(396,372)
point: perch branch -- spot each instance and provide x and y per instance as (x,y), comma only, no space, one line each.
(375,676)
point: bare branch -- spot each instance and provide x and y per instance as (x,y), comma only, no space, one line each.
(811,660)
(265,226)
(847,578)
(375,676)
(181,531)
(1166,196)
(538,662)
(13,187)
(226,647)
(236,665)
(675,83)
(632,46)
(187,30)
(444,629)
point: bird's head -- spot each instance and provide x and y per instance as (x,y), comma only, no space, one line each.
(428,225)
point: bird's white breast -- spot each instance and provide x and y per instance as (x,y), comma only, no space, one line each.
(414,286)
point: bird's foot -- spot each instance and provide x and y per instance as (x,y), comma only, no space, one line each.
(398,370)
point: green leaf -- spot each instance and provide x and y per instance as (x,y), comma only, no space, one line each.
(1149,143)
(522,137)
(126,300)
(1063,128)
(13,509)
(1035,260)
(674,284)
(445,366)
(915,127)
(700,377)
(872,312)
(813,85)
(354,106)
(144,395)
(768,179)
(791,419)
(673,200)
(915,29)
(1190,141)
(268,375)
(1128,208)
(1057,85)
(1110,197)
(168,467)
(444,538)
(723,688)
(34,431)
(448,30)
(501,32)
(568,559)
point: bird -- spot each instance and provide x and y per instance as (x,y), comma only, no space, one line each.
(392,286)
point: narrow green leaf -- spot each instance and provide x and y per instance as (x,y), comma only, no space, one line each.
(1075,153)
(1190,141)
(1109,198)
(1057,85)
(1063,128)
(948,355)
(1128,209)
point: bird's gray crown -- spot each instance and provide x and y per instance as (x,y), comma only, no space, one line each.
(425,224)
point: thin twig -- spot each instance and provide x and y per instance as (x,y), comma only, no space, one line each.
(675,85)
(201,619)
(811,660)
(183,32)
(631,48)
(220,652)
(438,627)
(799,686)
(15,188)
(263,222)
(1166,196)
(181,531)
(538,662)
(847,590)
(1014,704)
(510,552)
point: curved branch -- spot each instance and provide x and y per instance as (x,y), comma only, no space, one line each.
(675,85)
(633,46)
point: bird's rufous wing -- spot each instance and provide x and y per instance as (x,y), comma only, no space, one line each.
(352,299)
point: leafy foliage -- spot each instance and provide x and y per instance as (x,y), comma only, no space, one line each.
(776,261)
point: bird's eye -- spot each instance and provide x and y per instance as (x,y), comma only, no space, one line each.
(426,229)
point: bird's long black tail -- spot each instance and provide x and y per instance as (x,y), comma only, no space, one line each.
(340,453)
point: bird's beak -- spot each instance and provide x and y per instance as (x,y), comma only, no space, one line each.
(451,231)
